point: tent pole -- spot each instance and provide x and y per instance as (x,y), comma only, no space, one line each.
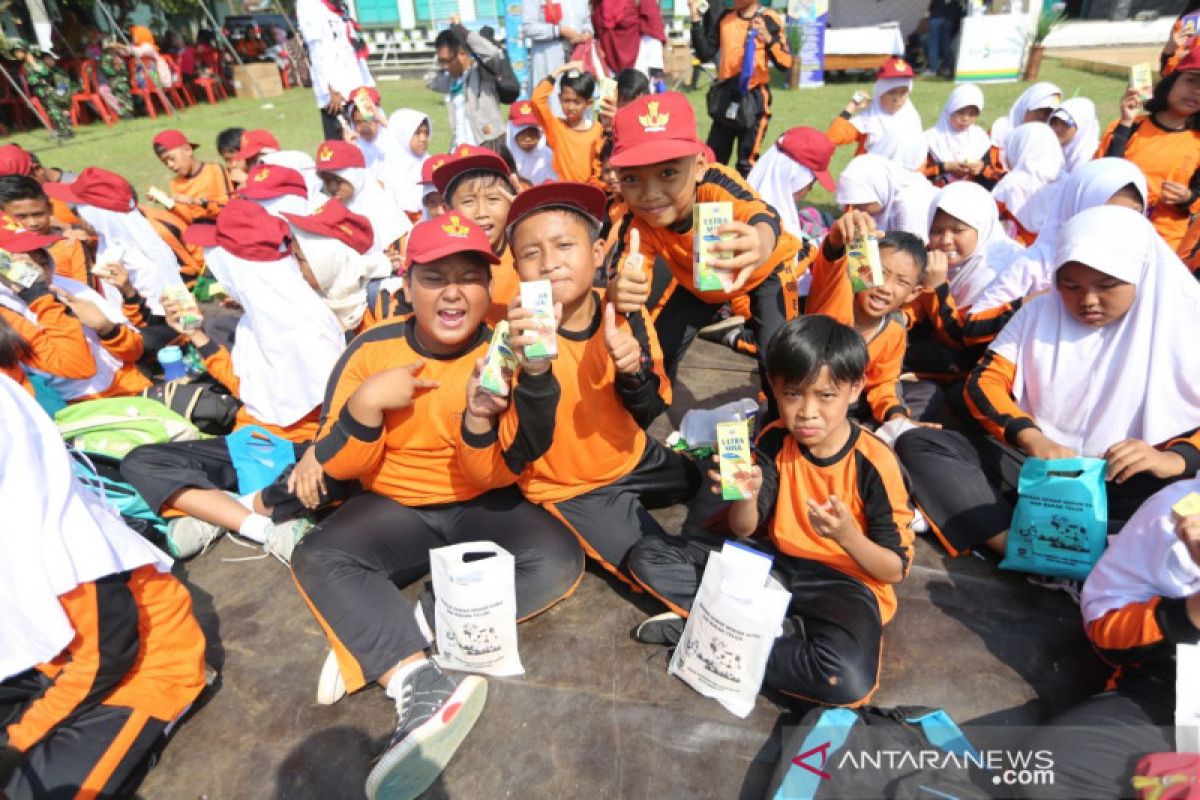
(32,108)
(158,90)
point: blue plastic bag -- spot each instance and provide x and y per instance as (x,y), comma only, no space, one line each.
(1060,525)
(258,456)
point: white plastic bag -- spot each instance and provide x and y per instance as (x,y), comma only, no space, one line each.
(475,608)
(1187,698)
(734,622)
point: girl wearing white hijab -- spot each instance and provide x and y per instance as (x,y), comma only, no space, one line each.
(1103,181)
(890,108)
(67,561)
(964,223)
(1035,104)
(1033,158)
(533,158)
(1102,367)
(1140,603)
(957,146)
(410,131)
(329,246)
(1078,131)
(286,346)
(897,198)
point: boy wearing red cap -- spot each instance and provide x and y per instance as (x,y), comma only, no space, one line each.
(22,198)
(664,173)
(392,420)
(595,465)
(199,189)
(255,144)
(746,41)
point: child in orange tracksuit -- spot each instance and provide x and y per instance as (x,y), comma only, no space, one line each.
(102,653)
(575,140)
(577,446)
(747,25)
(833,504)
(23,199)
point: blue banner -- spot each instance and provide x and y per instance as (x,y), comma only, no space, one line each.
(518,53)
(807,20)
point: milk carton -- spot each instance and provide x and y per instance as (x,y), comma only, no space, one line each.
(733,452)
(538,297)
(499,358)
(706,219)
(863,264)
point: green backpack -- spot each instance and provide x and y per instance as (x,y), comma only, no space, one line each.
(113,426)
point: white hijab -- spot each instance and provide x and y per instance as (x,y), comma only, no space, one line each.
(151,263)
(340,272)
(303,163)
(56,535)
(1089,388)
(875,122)
(536,166)
(1093,184)
(777,177)
(402,171)
(1040,95)
(971,204)
(1033,158)
(904,194)
(1080,112)
(947,144)
(287,340)
(1147,560)
(388,221)
(284,204)
(905,146)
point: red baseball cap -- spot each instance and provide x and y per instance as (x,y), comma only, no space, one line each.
(431,165)
(244,229)
(810,148)
(894,68)
(14,160)
(521,115)
(16,238)
(582,197)
(1189,59)
(445,235)
(466,158)
(265,181)
(370,91)
(170,139)
(95,187)
(654,128)
(334,155)
(255,141)
(334,221)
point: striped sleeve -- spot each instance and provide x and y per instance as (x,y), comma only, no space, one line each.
(525,433)
(961,328)
(1187,447)
(1143,631)
(989,395)
(56,339)
(883,373)
(766,450)
(885,500)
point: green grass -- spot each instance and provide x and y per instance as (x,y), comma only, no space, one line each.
(125,148)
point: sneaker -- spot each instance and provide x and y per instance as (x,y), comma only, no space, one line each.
(284,537)
(188,536)
(331,687)
(665,629)
(716,331)
(435,717)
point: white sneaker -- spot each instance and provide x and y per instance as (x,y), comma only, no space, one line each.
(188,536)
(331,687)
(284,536)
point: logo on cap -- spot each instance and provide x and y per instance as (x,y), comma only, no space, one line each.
(346,229)
(262,175)
(325,154)
(456,228)
(899,64)
(652,121)
(11,224)
(464,151)
(526,109)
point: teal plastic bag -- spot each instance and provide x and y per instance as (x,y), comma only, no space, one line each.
(259,457)
(1060,525)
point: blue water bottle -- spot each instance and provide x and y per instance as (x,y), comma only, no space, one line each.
(171,359)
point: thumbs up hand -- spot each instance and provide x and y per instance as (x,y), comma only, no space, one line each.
(623,349)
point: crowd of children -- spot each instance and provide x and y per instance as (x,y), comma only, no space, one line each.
(1029,298)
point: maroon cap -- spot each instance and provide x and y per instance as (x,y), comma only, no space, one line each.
(445,235)
(431,165)
(894,68)
(265,181)
(14,160)
(16,238)
(254,142)
(1189,59)
(95,187)
(654,128)
(170,139)
(810,148)
(521,115)
(370,91)
(334,221)
(582,197)
(335,154)
(244,229)
(466,158)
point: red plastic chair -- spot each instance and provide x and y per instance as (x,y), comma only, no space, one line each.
(212,84)
(145,69)
(177,91)
(35,102)
(90,95)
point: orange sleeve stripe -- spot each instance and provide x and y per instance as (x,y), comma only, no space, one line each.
(883,372)
(989,396)
(126,344)
(94,784)
(1133,625)
(220,366)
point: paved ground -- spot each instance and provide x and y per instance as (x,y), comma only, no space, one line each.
(596,715)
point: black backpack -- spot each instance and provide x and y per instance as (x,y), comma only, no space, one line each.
(508,88)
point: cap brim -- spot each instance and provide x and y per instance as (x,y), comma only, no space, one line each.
(28,242)
(581,198)
(825,179)
(449,249)
(655,152)
(202,235)
(445,175)
(61,191)
(251,152)
(306,223)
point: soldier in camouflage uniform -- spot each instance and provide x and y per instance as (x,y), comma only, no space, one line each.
(49,83)
(115,74)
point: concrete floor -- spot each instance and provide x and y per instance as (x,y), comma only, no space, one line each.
(596,715)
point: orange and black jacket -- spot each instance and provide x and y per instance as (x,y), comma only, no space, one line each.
(1141,633)
(56,339)
(864,475)
(726,41)
(576,153)
(578,426)
(990,399)
(71,260)
(956,327)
